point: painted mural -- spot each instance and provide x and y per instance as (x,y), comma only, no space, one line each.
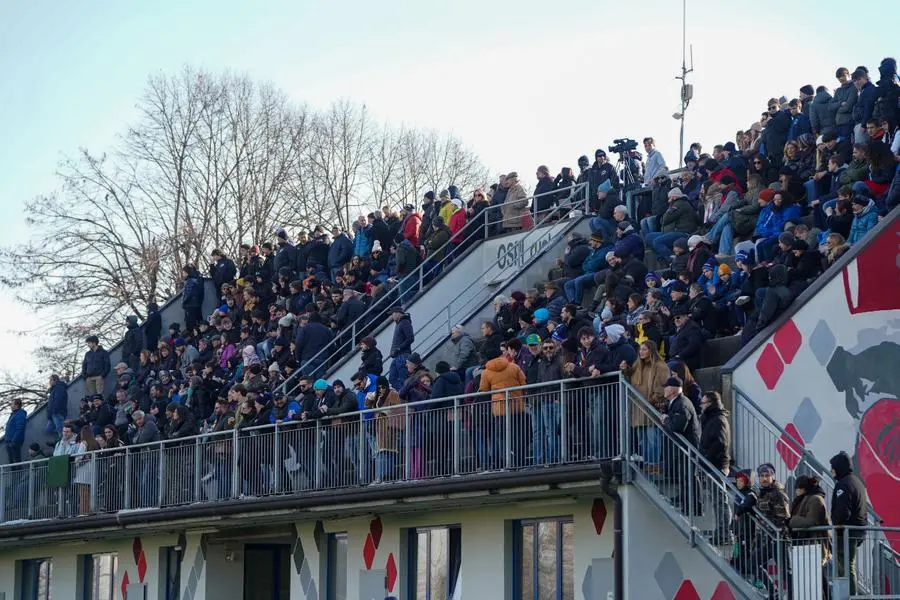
(831,375)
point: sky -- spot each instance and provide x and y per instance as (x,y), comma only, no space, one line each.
(521,82)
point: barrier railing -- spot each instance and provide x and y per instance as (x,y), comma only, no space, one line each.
(407,288)
(756,437)
(562,422)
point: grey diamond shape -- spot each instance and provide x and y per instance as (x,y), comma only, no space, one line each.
(668,575)
(807,420)
(822,342)
(587,584)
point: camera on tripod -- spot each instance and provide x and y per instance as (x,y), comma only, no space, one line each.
(623,145)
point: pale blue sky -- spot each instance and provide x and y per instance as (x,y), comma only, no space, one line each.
(522,82)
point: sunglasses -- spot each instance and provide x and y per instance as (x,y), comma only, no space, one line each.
(549,348)
(773,108)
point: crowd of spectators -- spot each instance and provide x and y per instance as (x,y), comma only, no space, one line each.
(733,239)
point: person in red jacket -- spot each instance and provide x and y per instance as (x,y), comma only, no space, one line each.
(412,222)
(457,222)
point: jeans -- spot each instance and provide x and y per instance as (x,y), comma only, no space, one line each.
(14,451)
(351,449)
(811,192)
(574,288)
(54,425)
(649,442)
(605,226)
(385,465)
(544,422)
(662,243)
(649,225)
(397,372)
(313,367)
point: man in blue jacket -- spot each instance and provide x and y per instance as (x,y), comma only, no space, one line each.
(310,344)
(595,262)
(57,406)
(339,253)
(401,346)
(15,432)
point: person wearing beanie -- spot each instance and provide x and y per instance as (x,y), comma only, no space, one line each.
(372,359)
(389,424)
(849,508)
(745,558)
(808,510)
(680,219)
(865,218)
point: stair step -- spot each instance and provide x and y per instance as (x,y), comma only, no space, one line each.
(718,351)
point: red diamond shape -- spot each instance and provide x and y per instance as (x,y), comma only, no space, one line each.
(142,567)
(722,592)
(124,584)
(598,515)
(686,591)
(136,548)
(790,446)
(375,529)
(391,569)
(769,366)
(369,552)
(788,339)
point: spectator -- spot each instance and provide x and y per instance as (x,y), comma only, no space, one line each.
(57,406)
(544,198)
(655,164)
(603,181)
(821,115)
(411,224)
(95,366)
(843,103)
(389,424)
(681,422)
(595,262)
(310,344)
(776,131)
(515,206)
(715,436)
(545,410)
(648,374)
(372,362)
(15,431)
(849,508)
(429,211)
(799,121)
(401,346)
(463,353)
(339,253)
(808,510)
(865,105)
(679,220)
(744,525)
(499,375)
(192,296)
(687,343)
(222,270)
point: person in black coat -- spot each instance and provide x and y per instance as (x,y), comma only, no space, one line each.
(578,250)
(776,132)
(350,310)
(318,253)
(682,423)
(286,256)
(687,342)
(544,199)
(152,327)
(380,230)
(133,342)
(222,270)
(192,296)
(372,360)
(715,435)
(849,508)
(310,343)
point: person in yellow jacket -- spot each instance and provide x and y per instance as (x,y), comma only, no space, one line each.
(447,207)
(499,375)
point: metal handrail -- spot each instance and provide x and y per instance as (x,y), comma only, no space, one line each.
(417,278)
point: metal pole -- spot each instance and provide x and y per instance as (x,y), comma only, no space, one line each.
(235,462)
(161,494)
(95,488)
(30,510)
(455,437)
(197,471)
(563,429)
(406,440)
(361,455)
(277,466)
(3,494)
(126,504)
(506,423)
(318,455)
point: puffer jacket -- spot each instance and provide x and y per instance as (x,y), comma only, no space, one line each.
(680,217)
(462,351)
(772,220)
(863,222)
(821,115)
(498,375)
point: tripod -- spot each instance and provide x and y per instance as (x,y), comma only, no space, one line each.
(626,166)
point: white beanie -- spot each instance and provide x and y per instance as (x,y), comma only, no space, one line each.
(614,332)
(376,246)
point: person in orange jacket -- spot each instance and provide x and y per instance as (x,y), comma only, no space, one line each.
(500,374)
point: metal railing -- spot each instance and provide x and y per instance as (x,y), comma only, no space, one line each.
(761,555)
(756,435)
(408,288)
(562,422)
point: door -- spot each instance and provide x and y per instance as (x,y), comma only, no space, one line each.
(267,572)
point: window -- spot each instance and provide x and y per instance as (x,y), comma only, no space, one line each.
(336,582)
(435,556)
(100,576)
(171,561)
(36,576)
(543,560)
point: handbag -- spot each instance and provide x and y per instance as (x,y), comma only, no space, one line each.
(526,221)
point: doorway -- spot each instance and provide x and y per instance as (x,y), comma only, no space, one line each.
(267,572)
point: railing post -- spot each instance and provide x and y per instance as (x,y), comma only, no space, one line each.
(3,471)
(95,487)
(317,452)
(161,492)
(690,493)
(63,492)
(563,427)
(507,426)
(624,424)
(126,503)
(456,436)
(277,462)
(29,510)
(235,464)
(406,452)
(198,473)
(487,228)
(361,455)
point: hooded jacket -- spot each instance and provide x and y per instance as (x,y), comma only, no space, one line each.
(462,351)
(772,219)
(682,420)
(340,251)
(574,259)
(192,295)
(447,385)
(631,243)
(372,361)
(58,399)
(821,115)
(807,511)
(686,344)
(401,343)
(849,500)
(679,217)
(498,375)
(715,436)
(863,222)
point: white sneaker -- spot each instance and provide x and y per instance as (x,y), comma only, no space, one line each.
(742,300)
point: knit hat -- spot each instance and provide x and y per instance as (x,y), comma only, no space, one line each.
(743,257)
(742,475)
(338,382)
(414,359)
(541,316)
(808,90)
(429,195)
(767,194)
(787,239)
(614,332)
(681,243)
(376,246)
(694,240)
(442,367)
(651,276)
(729,147)
(766,468)
(724,270)
(861,200)
(678,286)
(320,384)
(597,237)
(675,193)
(710,264)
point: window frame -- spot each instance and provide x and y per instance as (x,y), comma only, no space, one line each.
(90,584)
(31,573)
(452,565)
(518,555)
(330,573)
(172,556)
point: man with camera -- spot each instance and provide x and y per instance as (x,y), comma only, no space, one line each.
(603,183)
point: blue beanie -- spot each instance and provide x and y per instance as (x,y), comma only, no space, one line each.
(541,315)
(651,276)
(320,384)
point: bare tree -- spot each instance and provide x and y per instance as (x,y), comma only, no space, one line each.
(210,162)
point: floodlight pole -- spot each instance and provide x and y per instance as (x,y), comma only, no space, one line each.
(684,73)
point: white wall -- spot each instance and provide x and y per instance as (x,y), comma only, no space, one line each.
(847,337)
(658,558)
